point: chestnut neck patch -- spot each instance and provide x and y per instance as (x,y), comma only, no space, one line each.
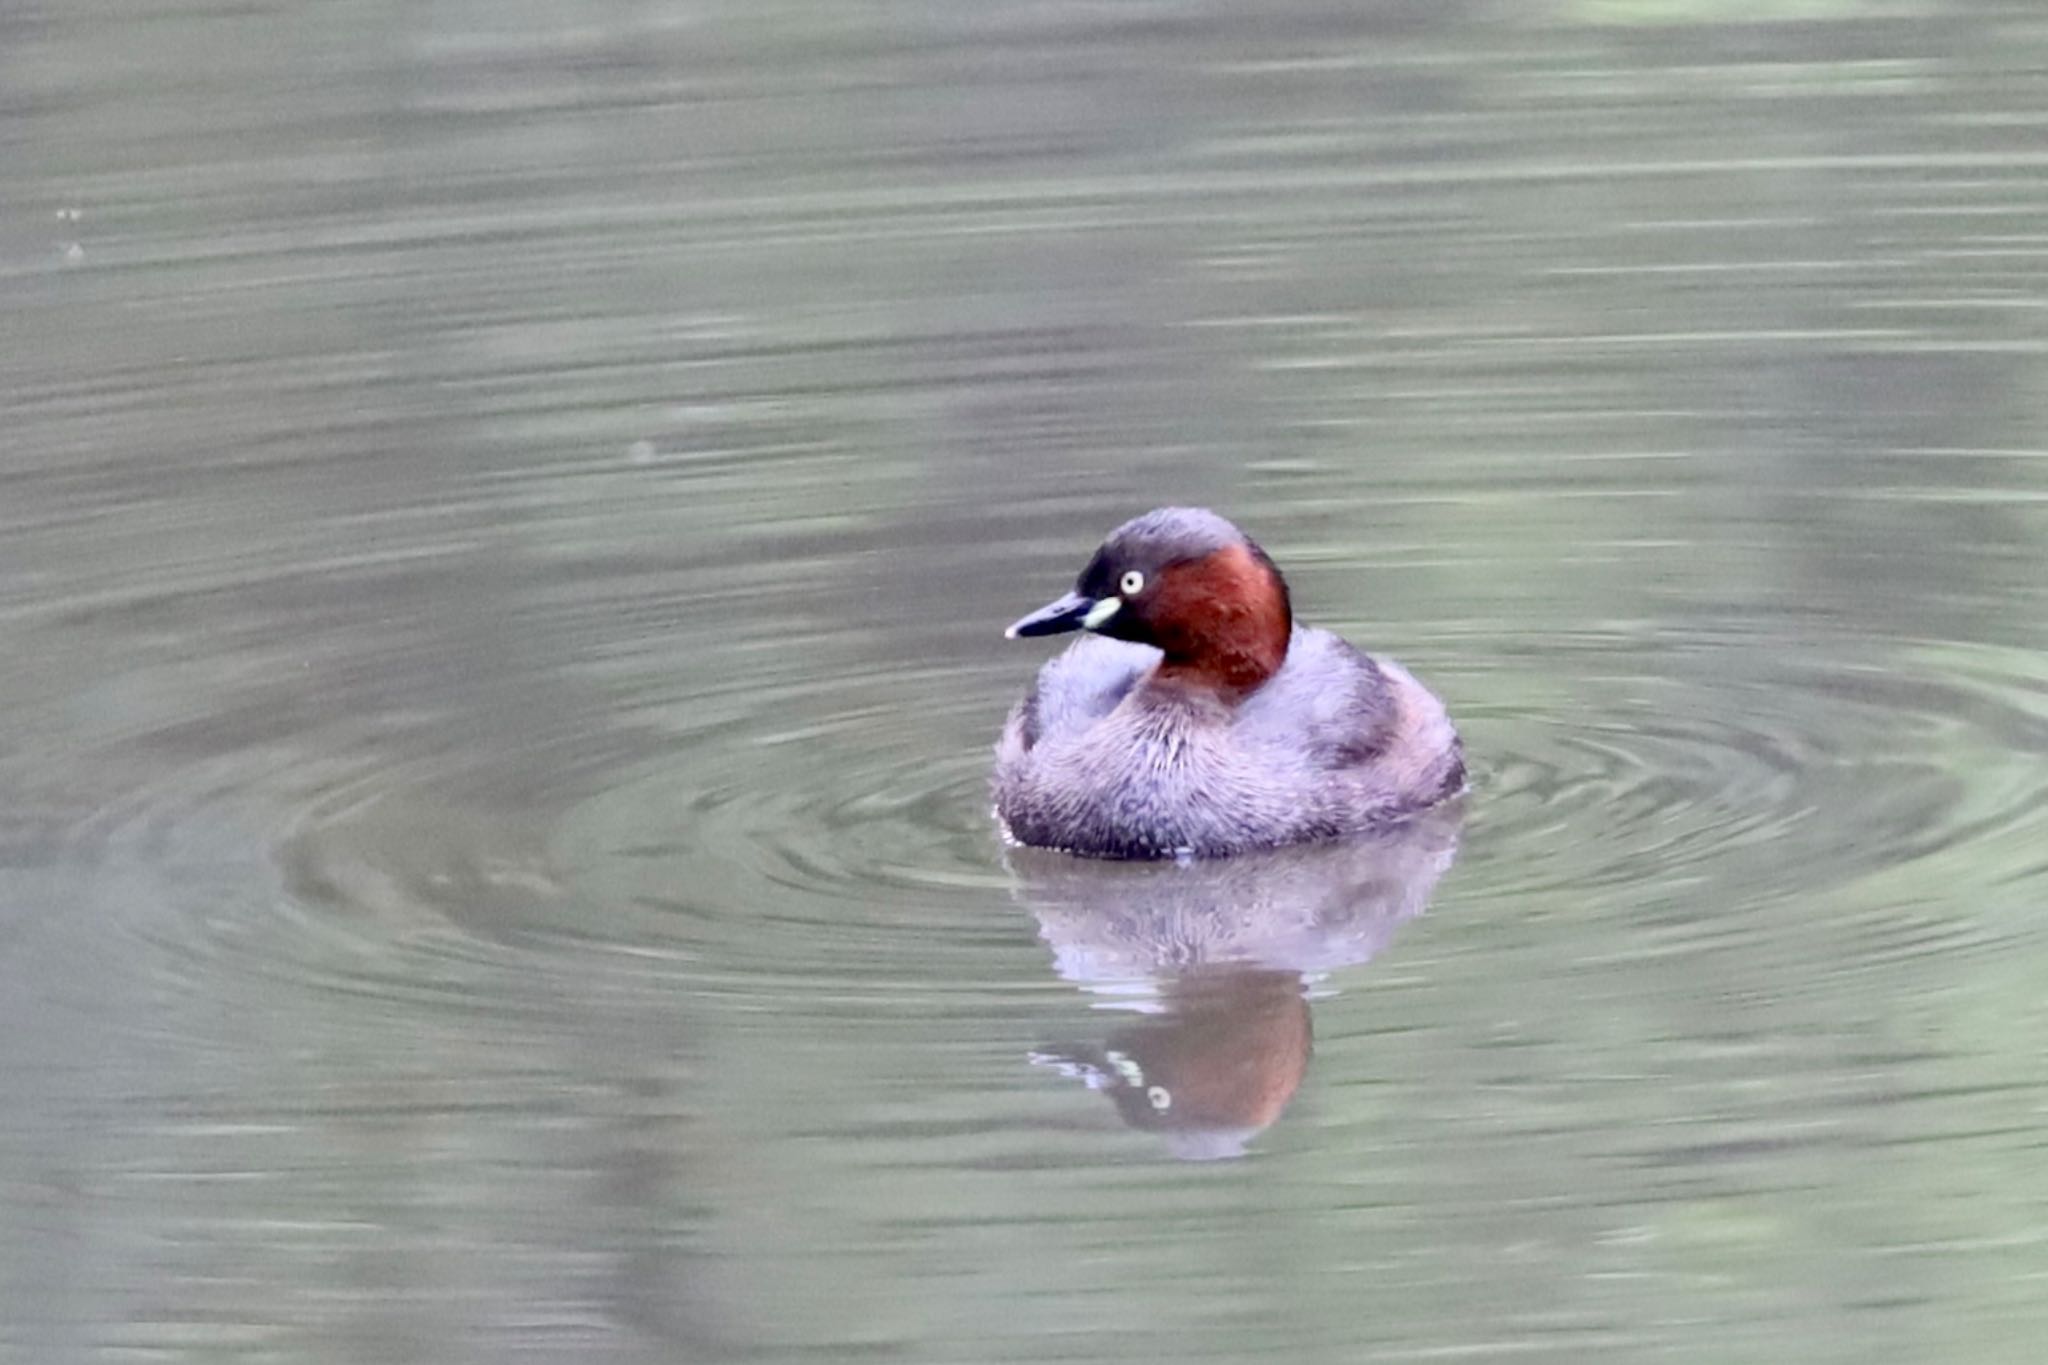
(1223,621)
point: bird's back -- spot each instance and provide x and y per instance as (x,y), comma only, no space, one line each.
(1334,742)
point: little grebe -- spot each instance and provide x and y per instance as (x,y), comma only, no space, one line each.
(1196,718)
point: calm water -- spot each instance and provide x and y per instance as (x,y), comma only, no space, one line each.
(506,515)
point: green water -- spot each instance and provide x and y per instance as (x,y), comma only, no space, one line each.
(506,520)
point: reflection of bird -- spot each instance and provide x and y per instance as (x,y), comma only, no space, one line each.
(1212,1069)
(1213,955)
(1199,718)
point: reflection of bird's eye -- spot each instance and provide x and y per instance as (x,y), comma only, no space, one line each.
(1132,582)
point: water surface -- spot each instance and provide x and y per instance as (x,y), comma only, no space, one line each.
(506,518)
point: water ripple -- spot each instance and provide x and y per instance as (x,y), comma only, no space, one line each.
(1746,773)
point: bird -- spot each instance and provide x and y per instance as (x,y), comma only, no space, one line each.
(1196,718)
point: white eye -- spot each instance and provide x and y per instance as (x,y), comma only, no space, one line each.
(1131,584)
